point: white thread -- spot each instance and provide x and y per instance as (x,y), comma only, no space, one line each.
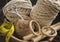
(15,12)
(19,15)
(55,1)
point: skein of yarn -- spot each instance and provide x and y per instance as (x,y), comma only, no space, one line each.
(17,9)
(45,11)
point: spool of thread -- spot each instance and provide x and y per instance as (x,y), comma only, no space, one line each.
(45,12)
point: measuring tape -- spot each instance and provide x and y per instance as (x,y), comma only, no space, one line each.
(7,29)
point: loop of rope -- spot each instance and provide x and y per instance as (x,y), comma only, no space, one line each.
(32,29)
(49,31)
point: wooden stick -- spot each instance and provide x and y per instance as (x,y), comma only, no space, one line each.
(17,40)
(28,37)
(56,26)
(38,38)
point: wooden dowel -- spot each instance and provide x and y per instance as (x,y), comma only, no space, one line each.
(28,37)
(17,40)
(56,26)
(38,38)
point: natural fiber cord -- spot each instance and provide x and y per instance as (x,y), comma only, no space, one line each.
(45,12)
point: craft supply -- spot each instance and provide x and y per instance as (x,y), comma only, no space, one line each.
(45,11)
(7,29)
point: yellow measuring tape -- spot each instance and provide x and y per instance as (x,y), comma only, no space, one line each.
(7,29)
